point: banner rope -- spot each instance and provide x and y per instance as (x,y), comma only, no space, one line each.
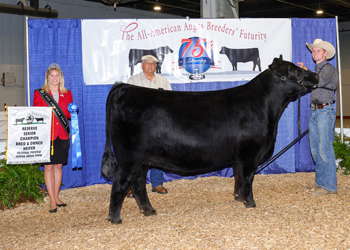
(6,133)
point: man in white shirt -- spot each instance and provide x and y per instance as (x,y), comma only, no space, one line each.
(149,79)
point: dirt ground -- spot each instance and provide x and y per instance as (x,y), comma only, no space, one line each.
(195,214)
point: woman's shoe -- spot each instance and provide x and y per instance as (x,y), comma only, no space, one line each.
(62,205)
(53,210)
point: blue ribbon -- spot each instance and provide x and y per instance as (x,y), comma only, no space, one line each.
(76,152)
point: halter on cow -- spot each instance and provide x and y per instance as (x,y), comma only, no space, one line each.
(196,132)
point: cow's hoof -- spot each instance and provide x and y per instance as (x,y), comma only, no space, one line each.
(114,221)
(150,212)
(118,221)
(249,205)
(238,198)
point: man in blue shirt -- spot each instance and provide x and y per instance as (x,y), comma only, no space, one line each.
(322,119)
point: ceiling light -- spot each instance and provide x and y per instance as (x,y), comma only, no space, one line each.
(157,7)
(319,11)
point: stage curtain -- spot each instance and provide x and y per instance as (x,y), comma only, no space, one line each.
(307,30)
(59,41)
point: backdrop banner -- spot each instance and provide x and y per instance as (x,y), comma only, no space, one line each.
(187,50)
(29,130)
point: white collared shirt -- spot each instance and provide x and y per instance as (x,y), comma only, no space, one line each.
(157,82)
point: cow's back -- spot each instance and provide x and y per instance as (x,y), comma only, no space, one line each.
(246,55)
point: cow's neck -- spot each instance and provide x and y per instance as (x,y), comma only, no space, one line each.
(262,84)
(274,101)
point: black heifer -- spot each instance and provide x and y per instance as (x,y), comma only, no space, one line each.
(242,55)
(135,56)
(193,132)
(20,120)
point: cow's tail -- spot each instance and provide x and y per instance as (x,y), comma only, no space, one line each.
(109,164)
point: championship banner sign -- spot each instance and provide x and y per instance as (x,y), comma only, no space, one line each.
(188,50)
(28,134)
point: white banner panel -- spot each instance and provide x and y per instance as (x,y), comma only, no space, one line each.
(188,50)
(28,135)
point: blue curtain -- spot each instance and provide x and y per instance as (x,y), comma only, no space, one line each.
(58,40)
(307,30)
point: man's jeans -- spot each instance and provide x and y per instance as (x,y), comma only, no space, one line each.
(321,135)
(156,177)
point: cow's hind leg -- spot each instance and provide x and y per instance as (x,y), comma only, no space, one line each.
(120,185)
(259,63)
(138,186)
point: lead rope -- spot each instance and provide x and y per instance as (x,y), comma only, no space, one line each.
(272,159)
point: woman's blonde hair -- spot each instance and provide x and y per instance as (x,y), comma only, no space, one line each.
(46,87)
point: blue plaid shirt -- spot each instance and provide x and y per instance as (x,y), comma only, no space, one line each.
(328,78)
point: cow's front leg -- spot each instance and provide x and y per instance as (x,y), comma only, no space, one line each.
(247,186)
(238,192)
(139,189)
(244,176)
(234,66)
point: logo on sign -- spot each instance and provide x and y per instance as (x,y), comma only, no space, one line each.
(196,56)
(29,117)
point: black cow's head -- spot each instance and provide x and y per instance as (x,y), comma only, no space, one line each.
(223,50)
(289,72)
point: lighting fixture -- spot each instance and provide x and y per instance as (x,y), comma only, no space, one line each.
(319,11)
(157,7)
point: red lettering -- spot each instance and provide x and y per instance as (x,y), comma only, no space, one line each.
(128,29)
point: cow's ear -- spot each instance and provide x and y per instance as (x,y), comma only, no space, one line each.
(278,61)
(281,57)
(277,66)
(275,63)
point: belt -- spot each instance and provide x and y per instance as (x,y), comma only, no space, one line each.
(320,106)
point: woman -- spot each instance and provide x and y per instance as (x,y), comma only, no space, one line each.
(54,89)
